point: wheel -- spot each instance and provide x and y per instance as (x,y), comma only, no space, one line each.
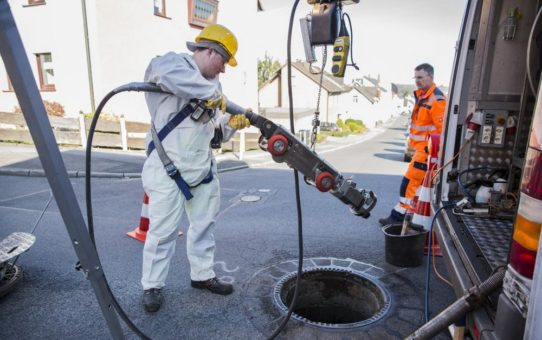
(277,145)
(10,278)
(325,181)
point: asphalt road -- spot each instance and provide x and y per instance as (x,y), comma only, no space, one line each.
(257,246)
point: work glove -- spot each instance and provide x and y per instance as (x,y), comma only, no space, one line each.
(238,122)
(218,101)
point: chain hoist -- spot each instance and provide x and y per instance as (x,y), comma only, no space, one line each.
(316,120)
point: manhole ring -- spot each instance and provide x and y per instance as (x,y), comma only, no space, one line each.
(341,308)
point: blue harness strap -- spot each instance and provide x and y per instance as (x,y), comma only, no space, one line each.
(185,188)
(172,124)
(171,169)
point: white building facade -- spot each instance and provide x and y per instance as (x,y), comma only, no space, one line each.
(305,88)
(364,101)
(79,50)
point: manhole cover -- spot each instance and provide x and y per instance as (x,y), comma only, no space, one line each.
(250,198)
(333,298)
(385,289)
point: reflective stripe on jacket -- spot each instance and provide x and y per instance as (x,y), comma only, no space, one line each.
(427,116)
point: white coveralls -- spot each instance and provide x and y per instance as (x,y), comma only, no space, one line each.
(188,146)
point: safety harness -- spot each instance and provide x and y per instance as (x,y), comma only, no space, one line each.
(190,109)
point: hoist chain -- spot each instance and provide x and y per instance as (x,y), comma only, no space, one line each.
(316,120)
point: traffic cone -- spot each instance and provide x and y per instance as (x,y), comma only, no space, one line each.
(423,216)
(140,233)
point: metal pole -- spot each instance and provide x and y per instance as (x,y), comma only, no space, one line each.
(89,61)
(24,84)
(474,298)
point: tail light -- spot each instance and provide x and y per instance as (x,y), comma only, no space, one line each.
(529,219)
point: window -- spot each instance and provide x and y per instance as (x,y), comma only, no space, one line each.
(36,2)
(160,8)
(202,12)
(45,71)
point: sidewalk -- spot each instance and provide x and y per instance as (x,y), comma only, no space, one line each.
(23,160)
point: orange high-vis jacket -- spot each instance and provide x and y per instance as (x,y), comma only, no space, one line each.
(427,117)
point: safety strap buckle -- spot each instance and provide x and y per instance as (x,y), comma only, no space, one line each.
(171,169)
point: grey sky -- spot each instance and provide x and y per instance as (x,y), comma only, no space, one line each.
(391,37)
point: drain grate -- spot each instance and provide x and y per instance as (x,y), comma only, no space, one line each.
(333,298)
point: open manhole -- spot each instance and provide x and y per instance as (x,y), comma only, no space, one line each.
(333,298)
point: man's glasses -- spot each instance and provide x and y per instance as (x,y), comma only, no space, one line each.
(224,59)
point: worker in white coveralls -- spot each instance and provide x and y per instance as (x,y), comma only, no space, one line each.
(185,134)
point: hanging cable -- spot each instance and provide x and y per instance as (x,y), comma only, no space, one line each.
(351,42)
(316,120)
(450,161)
(439,275)
(296,179)
(428,268)
(88,193)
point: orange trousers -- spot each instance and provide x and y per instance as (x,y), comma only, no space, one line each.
(412,179)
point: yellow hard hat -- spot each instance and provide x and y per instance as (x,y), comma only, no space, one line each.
(221,35)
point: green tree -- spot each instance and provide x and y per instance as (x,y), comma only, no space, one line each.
(266,68)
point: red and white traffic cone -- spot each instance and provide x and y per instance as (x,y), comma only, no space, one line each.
(423,215)
(140,233)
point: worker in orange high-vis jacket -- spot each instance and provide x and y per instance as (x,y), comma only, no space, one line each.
(427,117)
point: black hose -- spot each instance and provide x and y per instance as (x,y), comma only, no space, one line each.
(351,43)
(146,87)
(88,194)
(296,179)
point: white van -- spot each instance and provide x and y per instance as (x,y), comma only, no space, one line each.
(492,155)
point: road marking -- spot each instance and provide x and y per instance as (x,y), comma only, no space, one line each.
(23,196)
(28,210)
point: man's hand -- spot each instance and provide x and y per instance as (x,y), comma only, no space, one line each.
(238,122)
(217,102)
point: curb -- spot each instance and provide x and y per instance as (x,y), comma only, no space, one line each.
(96,174)
(128,175)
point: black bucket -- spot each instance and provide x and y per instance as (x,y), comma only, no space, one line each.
(403,251)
